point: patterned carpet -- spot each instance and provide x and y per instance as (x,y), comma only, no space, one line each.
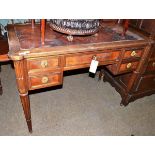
(83,106)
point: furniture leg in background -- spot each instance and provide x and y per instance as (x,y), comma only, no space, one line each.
(3,55)
(0,84)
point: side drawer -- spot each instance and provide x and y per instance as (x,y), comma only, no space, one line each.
(136,53)
(146,83)
(41,80)
(85,59)
(123,68)
(43,63)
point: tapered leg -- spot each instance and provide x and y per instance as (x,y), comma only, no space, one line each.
(22,84)
(26,108)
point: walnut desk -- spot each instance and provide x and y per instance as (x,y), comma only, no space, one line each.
(39,66)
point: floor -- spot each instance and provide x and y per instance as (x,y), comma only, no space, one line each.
(83,106)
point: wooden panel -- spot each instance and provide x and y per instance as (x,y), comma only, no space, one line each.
(134,22)
(43,63)
(151,67)
(42,80)
(146,83)
(148,26)
(81,59)
(133,53)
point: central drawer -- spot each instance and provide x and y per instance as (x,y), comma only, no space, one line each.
(85,59)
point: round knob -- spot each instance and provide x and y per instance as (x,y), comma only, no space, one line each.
(44,63)
(128,65)
(94,57)
(44,79)
(70,38)
(133,53)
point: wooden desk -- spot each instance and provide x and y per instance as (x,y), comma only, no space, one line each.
(39,66)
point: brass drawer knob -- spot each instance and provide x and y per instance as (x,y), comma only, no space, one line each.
(129,65)
(153,64)
(94,57)
(44,79)
(133,53)
(44,63)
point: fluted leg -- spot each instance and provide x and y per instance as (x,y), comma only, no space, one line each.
(26,108)
(22,84)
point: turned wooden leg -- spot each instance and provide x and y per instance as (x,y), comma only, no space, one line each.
(22,84)
(42,31)
(26,108)
(32,23)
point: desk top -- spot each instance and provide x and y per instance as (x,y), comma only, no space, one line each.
(25,40)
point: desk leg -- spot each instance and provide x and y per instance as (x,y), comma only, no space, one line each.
(22,84)
(26,108)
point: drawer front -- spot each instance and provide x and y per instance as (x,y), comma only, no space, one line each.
(45,80)
(82,59)
(43,63)
(127,67)
(133,53)
(151,67)
(146,83)
(123,68)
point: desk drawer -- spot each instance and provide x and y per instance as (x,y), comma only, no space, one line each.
(82,59)
(127,67)
(146,83)
(43,63)
(137,53)
(123,68)
(41,80)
